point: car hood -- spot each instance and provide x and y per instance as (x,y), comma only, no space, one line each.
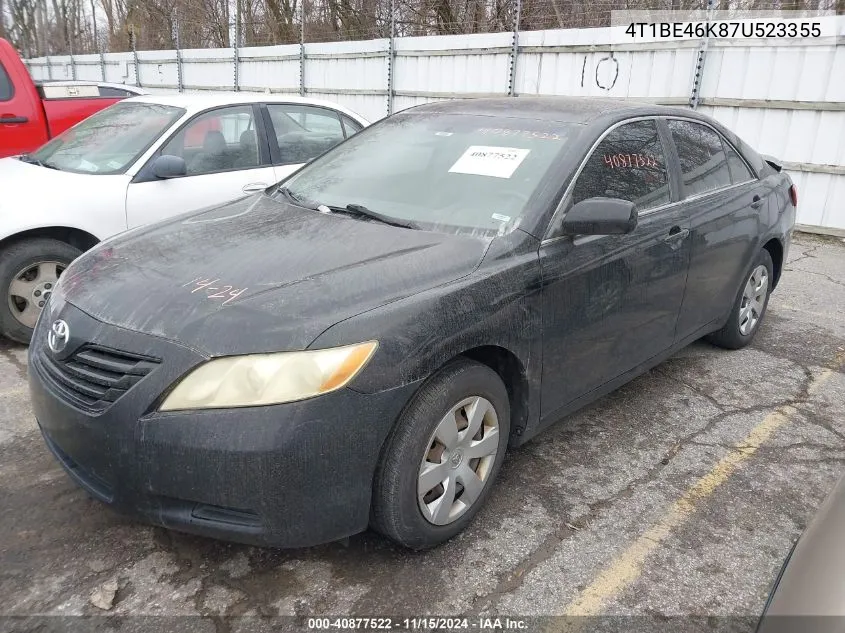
(19,181)
(259,274)
(31,195)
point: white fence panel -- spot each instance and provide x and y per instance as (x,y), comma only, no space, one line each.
(353,74)
(158,69)
(269,68)
(451,66)
(208,69)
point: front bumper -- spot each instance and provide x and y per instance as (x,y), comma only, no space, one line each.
(286,475)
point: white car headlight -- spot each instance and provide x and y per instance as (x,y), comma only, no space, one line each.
(262,379)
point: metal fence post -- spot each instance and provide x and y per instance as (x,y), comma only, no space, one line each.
(235,44)
(134,39)
(102,65)
(391,58)
(301,48)
(514,50)
(49,69)
(176,41)
(72,63)
(698,71)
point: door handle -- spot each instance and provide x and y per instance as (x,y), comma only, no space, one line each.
(254,187)
(676,234)
(756,201)
(13,120)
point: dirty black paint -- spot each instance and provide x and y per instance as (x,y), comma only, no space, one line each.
(301,473)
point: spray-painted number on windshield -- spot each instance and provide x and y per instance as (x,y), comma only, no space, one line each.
(214,290)
(629,160)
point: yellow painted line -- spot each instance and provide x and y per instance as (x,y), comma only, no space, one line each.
(626,568)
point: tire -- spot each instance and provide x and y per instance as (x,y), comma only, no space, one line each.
(397,510)
(26,256)
(737,332)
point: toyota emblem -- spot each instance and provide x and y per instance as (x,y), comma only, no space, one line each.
(58,336)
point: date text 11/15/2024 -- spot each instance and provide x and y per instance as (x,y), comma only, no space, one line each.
(422,623)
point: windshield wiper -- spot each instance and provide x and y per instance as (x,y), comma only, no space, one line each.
(27,158)
(307,204)
(360,209)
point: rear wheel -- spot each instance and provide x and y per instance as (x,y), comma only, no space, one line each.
(749,306)
(29,271)
(439,463)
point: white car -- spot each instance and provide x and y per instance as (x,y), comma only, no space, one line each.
(139,161)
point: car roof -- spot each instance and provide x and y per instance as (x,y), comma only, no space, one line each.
(197,102)
(562,109)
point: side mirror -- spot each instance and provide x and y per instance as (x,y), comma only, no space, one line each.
(167,166)
(600,216)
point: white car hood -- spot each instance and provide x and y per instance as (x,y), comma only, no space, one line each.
(35,197)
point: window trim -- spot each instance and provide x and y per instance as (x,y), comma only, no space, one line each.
(273,141)
(11,84)
(145,173)
(754,177)
(568,191)
(343,119)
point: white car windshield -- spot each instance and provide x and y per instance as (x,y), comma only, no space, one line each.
(109,141)
(444,172)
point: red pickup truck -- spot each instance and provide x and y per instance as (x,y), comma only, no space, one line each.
(31,113)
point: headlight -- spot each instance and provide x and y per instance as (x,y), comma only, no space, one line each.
(261,379)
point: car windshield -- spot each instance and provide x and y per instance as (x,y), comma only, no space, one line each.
(452,173)
(109,141)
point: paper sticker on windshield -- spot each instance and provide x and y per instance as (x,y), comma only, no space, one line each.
(484,160)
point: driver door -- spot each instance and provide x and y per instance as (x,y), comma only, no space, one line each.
(611,302)
(226,154)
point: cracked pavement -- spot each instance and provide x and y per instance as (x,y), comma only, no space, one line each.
(566,506)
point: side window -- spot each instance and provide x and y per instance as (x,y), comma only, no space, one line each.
(109,91)
(704,166)
(304,132)
(351,127)
(628,163)
(219,140)
(7,90)
(739,170)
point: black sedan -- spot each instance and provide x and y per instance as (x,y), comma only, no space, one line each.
(361,344)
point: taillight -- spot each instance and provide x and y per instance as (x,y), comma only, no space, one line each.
(793,195)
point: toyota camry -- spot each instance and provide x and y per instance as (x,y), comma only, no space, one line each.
(360,344)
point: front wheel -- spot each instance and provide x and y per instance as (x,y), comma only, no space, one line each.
(749,307)
(29,271)
(439,463)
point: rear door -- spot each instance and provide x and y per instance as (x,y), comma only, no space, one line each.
(227,157)
(723,200)
(299,133)
(611,302)
(22,127)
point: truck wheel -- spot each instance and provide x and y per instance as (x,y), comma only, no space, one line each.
(28,273)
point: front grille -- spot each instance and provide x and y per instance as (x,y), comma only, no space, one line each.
(94,377)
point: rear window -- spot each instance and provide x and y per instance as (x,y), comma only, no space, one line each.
(7,91)
(108,91)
